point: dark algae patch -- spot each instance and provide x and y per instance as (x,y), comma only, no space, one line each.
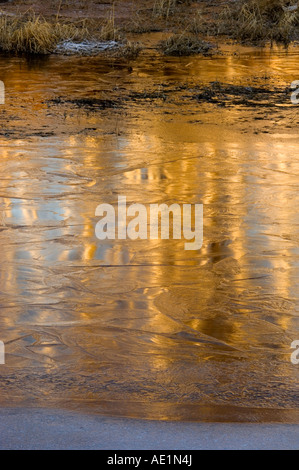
(221,94)
(87,103)
(237,95)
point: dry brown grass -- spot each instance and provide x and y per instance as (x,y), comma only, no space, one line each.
(34,35)
(141,22)
(108,29)
(165,8)
(195,24)
(270,5)
(259,21)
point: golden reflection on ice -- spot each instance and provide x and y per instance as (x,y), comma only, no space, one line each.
(148,322)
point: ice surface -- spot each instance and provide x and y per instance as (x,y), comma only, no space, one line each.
(146,328)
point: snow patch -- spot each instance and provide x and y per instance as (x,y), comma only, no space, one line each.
(84,47)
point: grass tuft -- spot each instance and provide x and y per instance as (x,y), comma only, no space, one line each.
(184,45)
(129,50)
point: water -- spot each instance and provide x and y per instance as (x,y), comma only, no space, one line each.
(145,328)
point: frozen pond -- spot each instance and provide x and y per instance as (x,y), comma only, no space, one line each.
(144,328)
